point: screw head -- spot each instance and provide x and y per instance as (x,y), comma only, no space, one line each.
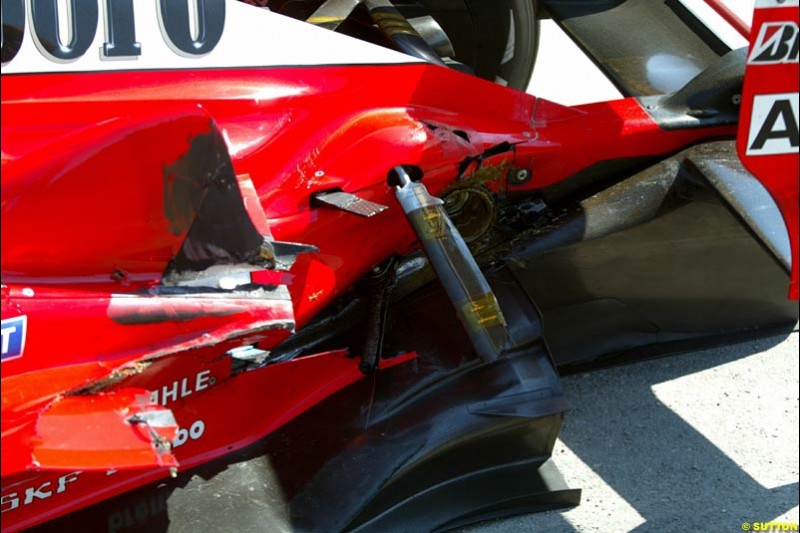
(519,176)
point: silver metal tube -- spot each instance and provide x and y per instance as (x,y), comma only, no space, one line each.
(462,279)
(332,13)
(434,35)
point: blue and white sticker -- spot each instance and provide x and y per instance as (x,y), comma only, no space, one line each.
(13,337)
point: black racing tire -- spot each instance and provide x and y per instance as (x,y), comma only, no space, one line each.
(519,70)
(494,39)
(497,39)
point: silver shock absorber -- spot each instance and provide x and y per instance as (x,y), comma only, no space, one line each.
(467,288)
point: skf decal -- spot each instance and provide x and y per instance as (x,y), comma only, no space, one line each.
(13,337)
(38,491)
(777,42)
(774,125)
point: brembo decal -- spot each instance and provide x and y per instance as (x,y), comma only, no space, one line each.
(194,432)
(777,42)
(177,19)
(774,125)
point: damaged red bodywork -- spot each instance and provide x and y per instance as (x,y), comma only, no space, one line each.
(156,223)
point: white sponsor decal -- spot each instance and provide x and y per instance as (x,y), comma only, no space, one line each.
(181,388)
(774,125)
(195,431)
(38,491)
(777,42)
(103,35)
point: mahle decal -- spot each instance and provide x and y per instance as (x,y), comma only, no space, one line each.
(182,388)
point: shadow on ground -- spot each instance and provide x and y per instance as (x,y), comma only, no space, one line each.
(666,470)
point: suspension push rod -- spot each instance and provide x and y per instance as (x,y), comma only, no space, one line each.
(467,288)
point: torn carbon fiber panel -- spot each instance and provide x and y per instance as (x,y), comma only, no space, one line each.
(429,445)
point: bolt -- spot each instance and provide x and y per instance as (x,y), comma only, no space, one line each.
(736,99)
(119,274)
(520,176)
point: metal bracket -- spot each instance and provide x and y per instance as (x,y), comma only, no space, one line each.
(350,203)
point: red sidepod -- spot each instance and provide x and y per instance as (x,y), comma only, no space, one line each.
(77,258)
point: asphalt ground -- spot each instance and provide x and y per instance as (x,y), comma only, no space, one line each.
(702,441)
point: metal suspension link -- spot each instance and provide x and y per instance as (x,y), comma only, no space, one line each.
(467,288)
(397,28)
(332,13)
